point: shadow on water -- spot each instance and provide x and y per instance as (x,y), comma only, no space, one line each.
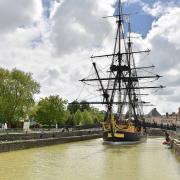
(103,148)
(121,145)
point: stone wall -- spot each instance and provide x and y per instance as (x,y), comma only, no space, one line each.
(155,132)
(25,141)
(175,136)
(43,135)
(176,142)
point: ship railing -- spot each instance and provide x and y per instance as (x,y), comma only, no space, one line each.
(106,126)
(125,127)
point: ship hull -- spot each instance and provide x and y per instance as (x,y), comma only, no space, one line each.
(124,137)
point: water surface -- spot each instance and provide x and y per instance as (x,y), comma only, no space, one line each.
(88,160)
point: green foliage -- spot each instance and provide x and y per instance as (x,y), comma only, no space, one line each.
(16,94)
(69,118)
(73,107)
(84,114)
(78,117)
(33,110)
(87,118)
(84,105)
(98,116)
(51,110)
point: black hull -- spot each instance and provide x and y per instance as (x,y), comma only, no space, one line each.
(124,137)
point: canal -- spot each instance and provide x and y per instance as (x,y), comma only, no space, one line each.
(91,160)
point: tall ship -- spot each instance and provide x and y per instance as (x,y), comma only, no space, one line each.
(122,85)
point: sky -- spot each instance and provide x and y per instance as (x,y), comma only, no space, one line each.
(53,39)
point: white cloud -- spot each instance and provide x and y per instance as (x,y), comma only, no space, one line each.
(56,51)
(160,7)
(78,25)
(56,74)
(14,14)
(163,40)
(130,1)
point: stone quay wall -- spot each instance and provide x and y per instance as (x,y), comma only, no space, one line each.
(176,142)
(155,132)
(45,135)
(24,141)
(175,136)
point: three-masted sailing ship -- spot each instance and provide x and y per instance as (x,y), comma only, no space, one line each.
(122,86)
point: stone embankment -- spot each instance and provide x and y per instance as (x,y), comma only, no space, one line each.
(175,136)
(12,142)
(155,132)
(176,142)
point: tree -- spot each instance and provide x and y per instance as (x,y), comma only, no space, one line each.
(32,111)
(69,119)
(84,105)
(87,118)
(78,117)
(97,115)
(100,116)
(51,110)
(73,107)
(17,89)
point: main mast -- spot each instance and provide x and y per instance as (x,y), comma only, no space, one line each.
(119,57)
(123,80)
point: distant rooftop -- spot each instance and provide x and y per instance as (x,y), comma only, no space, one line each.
(154,113)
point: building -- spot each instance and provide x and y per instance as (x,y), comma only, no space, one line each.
(155,117)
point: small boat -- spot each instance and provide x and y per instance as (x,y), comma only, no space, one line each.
(167,139)
(167,143)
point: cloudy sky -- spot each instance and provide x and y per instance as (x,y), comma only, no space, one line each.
(53,39)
